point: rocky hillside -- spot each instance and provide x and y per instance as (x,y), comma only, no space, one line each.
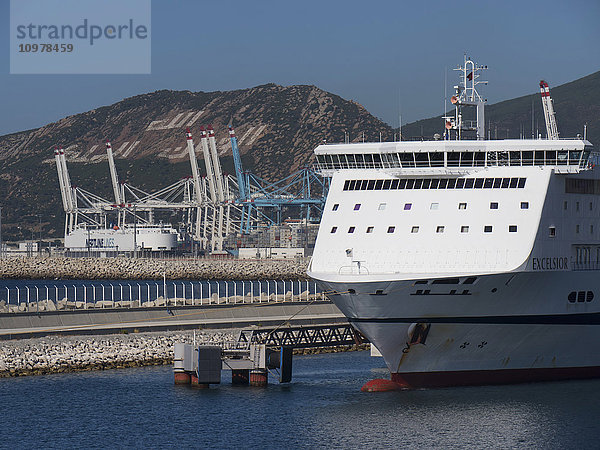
(277,127)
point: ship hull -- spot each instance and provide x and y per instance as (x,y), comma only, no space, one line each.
(520,327)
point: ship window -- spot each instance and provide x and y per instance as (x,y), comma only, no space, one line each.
(391,229)
(414,230)
(576,206)
(528,158)
(434,206)
(466,159)
(451,183)
(552,231)
(480,158)
(418,183)
(505,182)
(589,296)
(395,184)
(410,184)
(421,282)
(426,183)
(581,296)
(514,182)
(369,229)
(550,157)
(591,206)
(346,185)
(407,206)
(452,159)
(494,205)
(470,280)
(512,228)
(439,229)
(565,204)
(371,185)
(497,182)
(387,184)
(577,228)
(460,183)
(521,183)
(378,185)
(402,184)
(357,207)
(524,205)
(434,184)
(354,185)
(335,207)
(351,229)
(469,182)
(487,229)
(382,206)
(379,292)
(591,229)
(351,291)
(437,159)
(333,229)
(464,229)
(478,183)
(443,183)
(572,297)
(489,183)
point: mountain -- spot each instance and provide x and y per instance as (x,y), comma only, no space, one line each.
(575,104)
(277,127)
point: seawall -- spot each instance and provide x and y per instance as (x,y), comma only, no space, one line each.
(123,268)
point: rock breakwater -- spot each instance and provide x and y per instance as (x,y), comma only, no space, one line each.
(55,354)
(58,354)
(123,268)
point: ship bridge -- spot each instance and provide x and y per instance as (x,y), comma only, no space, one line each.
(565,155)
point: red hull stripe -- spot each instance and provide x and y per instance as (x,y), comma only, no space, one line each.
(481,377)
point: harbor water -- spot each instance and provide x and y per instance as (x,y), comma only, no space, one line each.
(322,408)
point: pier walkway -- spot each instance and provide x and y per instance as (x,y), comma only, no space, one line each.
(109,321)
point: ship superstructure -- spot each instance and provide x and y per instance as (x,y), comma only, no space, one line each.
(466,261)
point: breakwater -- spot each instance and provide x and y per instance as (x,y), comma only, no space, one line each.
(57,354)
(122,268)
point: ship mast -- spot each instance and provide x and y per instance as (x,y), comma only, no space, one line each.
(466,95)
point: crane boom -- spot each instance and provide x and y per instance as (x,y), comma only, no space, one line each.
(237,161)
(61,180)
(551,128)
(113,173)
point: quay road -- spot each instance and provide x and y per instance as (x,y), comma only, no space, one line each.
(119,320)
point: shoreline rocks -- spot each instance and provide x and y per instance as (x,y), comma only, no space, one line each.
(122,268)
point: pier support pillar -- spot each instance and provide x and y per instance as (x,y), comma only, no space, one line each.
(259,377)
(182,378)
(197,385)
(240,377)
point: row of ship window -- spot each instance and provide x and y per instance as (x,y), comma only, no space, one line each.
(452,159)
(434,183)
(439,229)
(580,296)
(434,205)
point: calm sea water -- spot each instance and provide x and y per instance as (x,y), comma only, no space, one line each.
(323,407)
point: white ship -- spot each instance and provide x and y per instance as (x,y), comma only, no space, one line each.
(467,261)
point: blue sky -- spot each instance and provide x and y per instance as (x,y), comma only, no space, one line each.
(388,56)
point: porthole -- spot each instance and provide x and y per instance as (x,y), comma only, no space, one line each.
(572,297)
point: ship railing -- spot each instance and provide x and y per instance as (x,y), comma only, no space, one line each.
(73,295)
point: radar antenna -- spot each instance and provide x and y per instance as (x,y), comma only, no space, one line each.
(466,95)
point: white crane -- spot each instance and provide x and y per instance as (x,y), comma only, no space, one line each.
(551,128)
